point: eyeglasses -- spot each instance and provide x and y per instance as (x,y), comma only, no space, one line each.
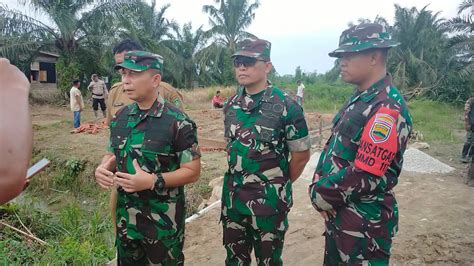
(245,61)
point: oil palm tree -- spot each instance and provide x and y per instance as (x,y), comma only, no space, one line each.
(462,43)
(229,20)
(149,26)
(417,62)
(187,45)
(146,24)
(65,30)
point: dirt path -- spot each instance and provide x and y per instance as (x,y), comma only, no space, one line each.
(436,225)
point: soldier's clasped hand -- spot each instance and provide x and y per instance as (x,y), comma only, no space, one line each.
(141,180)
(103,175)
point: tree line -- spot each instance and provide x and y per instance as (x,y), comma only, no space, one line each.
(434,59)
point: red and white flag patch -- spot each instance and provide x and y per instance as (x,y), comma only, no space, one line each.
(379,142)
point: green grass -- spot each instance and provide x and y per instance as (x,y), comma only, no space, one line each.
(75,234)
(323,97)
(439,122)
(326,97)
(64,207)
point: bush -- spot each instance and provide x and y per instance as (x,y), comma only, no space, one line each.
(53,98)
(67,72)
(326,97)
(72,169)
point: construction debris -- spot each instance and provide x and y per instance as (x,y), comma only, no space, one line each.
(90,128)
(420,162)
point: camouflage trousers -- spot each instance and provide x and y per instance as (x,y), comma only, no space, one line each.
(242,233)
(344,249)
(467,149)
(146,251)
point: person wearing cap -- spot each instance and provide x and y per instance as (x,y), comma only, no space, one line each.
(359,166)
(153,152)
(99,94)
(118,98)
(268,147)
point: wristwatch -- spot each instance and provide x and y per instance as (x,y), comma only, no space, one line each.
(159,181)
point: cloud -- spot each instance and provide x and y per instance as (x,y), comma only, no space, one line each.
(303,32)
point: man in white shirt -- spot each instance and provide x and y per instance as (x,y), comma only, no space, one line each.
(77,103)
(99,94)
(300,93)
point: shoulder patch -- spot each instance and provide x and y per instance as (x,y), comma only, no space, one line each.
(379,142)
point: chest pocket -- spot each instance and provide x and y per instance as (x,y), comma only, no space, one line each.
(268,127)
(230,123)
(267,132)
(350,129)
(118,138)
(158,151)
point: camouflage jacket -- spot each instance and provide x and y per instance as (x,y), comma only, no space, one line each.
(362,160)
(161,139)
(260,134)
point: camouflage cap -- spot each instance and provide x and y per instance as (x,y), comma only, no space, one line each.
(141,61)
(363,37)
(256,48)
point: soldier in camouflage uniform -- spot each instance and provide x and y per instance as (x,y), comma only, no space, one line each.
(152,154)
(117,98)
(263,126)
(353,183)
(467,149)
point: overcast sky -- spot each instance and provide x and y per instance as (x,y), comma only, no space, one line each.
(302,32)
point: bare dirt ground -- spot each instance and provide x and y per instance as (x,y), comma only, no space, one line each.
(211,131)
(436,225)
(436,211)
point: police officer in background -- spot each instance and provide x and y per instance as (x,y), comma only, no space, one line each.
(99,95)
